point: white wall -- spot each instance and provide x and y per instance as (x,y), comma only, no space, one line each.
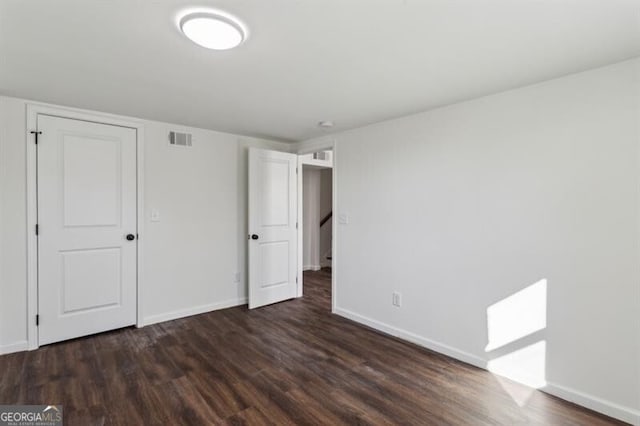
(311,218)
(477,201)
(191,256)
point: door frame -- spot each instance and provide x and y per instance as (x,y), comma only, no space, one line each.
(308,148)
(32,111)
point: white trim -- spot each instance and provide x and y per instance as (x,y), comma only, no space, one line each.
(300,222)
(303,148)
(594,403)
(637,67)
(32,111)
(414,338)
(14,347)
(140,223)
(311,267)
(591,402)
(32,241)
(182,313)
(334,226)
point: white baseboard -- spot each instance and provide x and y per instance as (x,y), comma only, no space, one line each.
(311,268)
(608,408)
(153,319)
(414,338)
(182,313)
(14,347)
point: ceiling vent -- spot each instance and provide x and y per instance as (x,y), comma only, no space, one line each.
(179,139)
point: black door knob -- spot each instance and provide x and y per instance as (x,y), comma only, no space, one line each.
(254,237)
(131,237)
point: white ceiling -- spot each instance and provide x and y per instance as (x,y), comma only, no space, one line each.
(352,62)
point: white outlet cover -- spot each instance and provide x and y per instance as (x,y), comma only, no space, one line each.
(343,218)
(155,215)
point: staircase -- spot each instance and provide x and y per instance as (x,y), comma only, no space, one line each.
(328,255)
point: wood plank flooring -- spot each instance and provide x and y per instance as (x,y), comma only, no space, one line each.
(285,364)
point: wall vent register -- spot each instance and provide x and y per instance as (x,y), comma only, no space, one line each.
(321,155)
(179,139)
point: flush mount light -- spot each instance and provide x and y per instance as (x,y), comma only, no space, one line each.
(215,31)
(325,124)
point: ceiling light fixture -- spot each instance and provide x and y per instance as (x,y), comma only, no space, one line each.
(213,30)
(325,124)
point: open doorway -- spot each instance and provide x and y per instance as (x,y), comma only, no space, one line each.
(290,227)
(316,182)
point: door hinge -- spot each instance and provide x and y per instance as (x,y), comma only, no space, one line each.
(296,225)
(36,133)
(37,320)
(37,229)
(296,280)
(296,170)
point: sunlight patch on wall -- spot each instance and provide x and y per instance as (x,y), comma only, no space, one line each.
(517,316)
(519,360)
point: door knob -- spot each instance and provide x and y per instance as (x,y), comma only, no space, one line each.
(254,237)
(131,237)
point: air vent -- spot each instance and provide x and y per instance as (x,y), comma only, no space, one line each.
(321,155)
(179,139)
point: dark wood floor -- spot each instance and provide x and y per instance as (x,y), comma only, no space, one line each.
(289,363)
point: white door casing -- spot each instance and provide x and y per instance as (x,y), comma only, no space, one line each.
(272,227)
(87,269)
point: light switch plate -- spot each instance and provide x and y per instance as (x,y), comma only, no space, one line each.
(396,299)
(343,218)
(155,215)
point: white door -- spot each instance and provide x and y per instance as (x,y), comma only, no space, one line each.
(87,264)
(272,227)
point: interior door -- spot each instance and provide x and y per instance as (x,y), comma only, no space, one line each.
(87,264)
(272,227)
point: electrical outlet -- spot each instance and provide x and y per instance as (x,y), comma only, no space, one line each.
(236,277)
(396,299)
